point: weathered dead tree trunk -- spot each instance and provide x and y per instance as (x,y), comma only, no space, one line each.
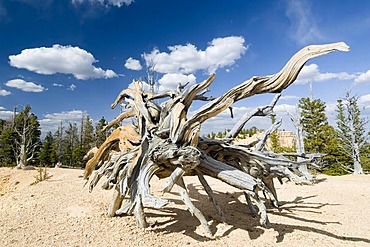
(353,129)
(165,142)
(297,122)
(25,146)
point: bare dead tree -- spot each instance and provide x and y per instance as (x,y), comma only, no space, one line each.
(351,130)
(297,122)
(26,143)
(165,141)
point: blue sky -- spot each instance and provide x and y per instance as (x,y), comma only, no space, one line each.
(66,58)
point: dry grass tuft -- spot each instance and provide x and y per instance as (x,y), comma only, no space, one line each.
(42,175)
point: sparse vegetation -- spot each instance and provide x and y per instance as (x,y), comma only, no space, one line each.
(42,175)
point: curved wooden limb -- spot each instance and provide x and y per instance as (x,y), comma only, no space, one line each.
(126,135)
(125,93)
(227,174)
(259,111)
(210,194)
(285,172)
(119,118)
(241,180)
(95,179)
(192,94)
(119,162)
(274,160)
(129,183)
(140,196)
(172,180)
(251,207)
(258,85)
(192,209)
(304,170)
(141,107)
(201,96)
(262,165)
(123,183)
(139,212)
(90,153)
(297,122)
(97,175)
(261,209)
(269,182)
(262,143)
(115,204)
(146,173)
(171,94)
(179,110)
(134,207)
(107,167)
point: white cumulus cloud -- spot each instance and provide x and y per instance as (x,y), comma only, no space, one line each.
(168,82)
(311,73)
(171,81)
(119,3)
(6,115)
(284,108)
(60,59)
(133,64)
(145,87)
(289,97)
(363,78)
(186,59)
(52,121)
(116,3)
(364,100)
(4,93)
(25,86)
(74,115)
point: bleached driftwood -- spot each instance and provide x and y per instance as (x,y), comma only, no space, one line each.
(166,142)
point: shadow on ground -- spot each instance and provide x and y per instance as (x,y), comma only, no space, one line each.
(238,216)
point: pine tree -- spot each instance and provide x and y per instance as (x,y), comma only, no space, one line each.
(88,134)
(320,137)
(365,157)
(71,142)
(7,144)
(275,143)
(47,154)
(78,154)
(58,143)
(2,125)
(70,145)
(314,122)
(85,143)
(100,135)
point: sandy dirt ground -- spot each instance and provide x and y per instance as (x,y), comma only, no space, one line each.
(61,212)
